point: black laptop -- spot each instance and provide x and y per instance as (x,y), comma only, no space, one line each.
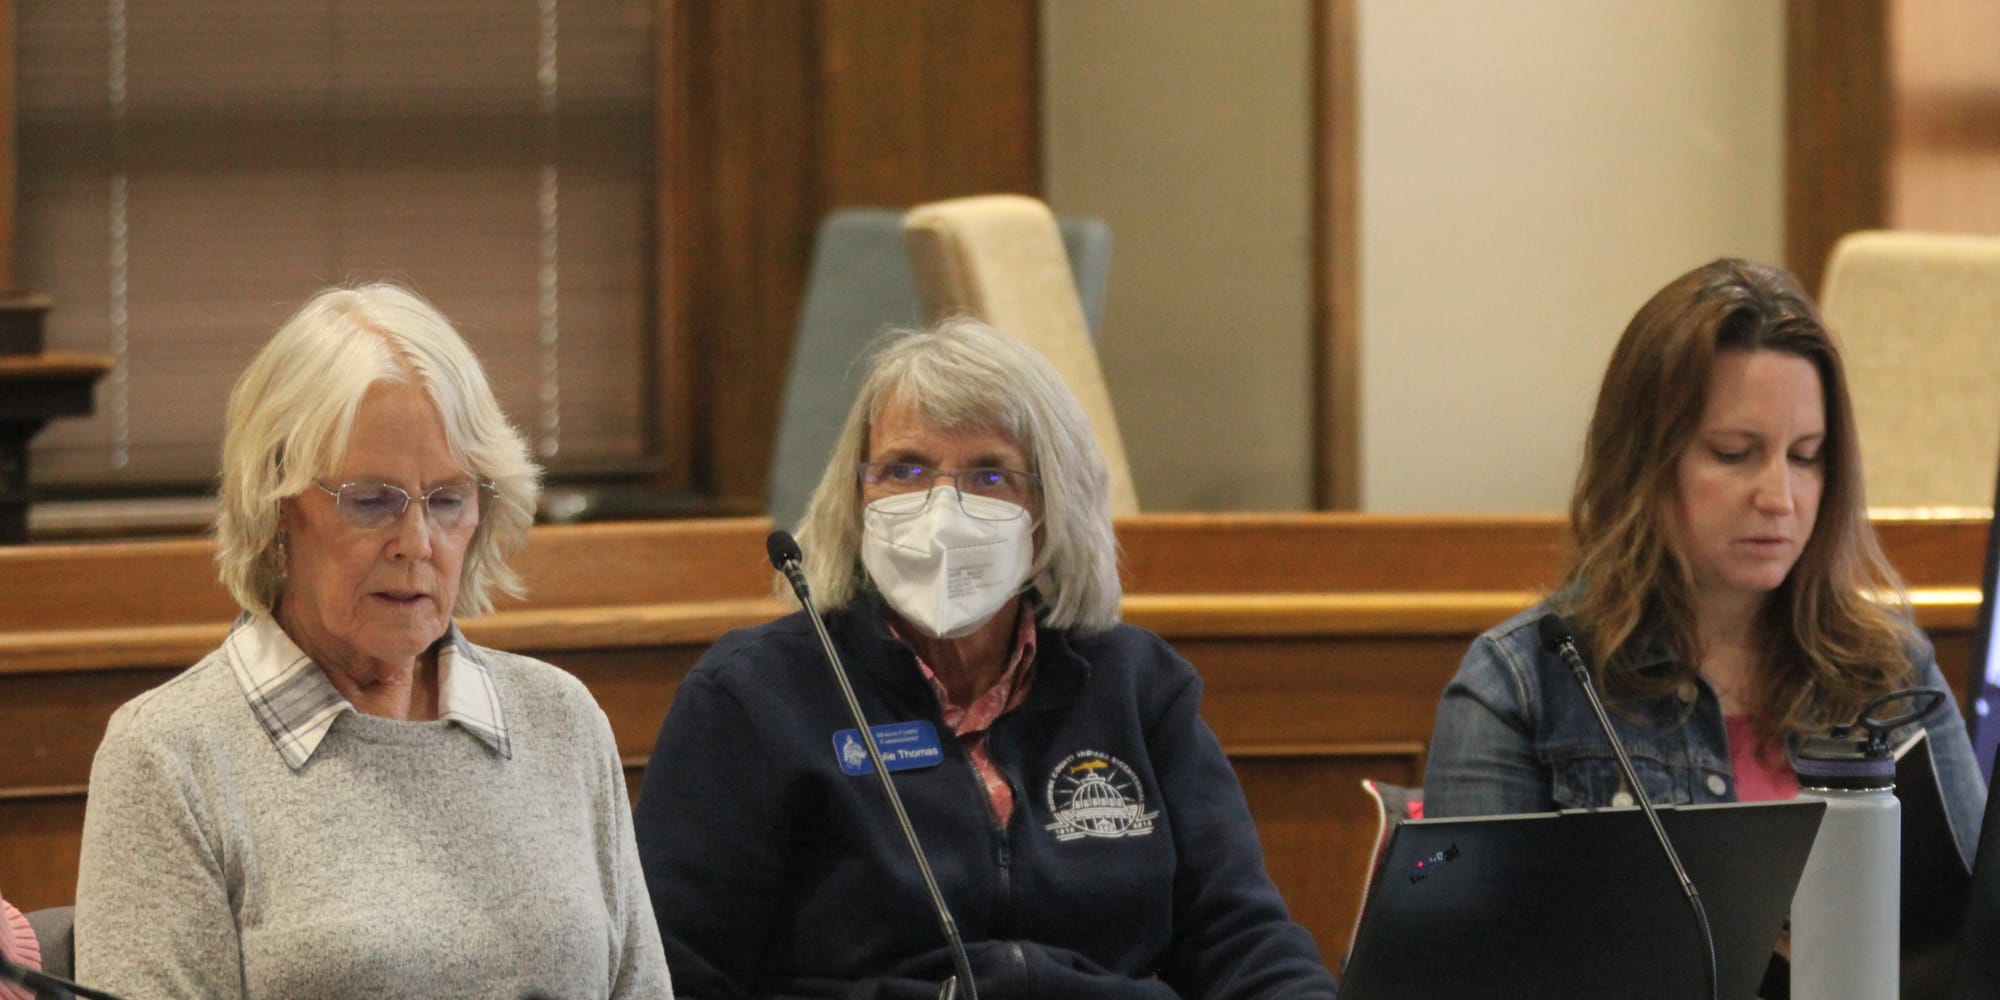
(1977,973)
(1578,904)
(1977,932)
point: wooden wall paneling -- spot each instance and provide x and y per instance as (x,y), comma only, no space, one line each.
(1315,824)
(637,562)
(9,190)
(41,834)
(927,100)
(1265,693)
(52,722)
(1838,127)
(742,143)
(1318,829)
(1336,253)
(1232,553)
(776,113)
(983,115)
(51,725)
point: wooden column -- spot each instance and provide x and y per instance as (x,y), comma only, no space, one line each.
(1838,131)
(1336,253)
(774,113)
(8,161)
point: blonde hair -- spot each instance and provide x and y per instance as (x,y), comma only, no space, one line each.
(291,414)
(965,375)
(1828,642)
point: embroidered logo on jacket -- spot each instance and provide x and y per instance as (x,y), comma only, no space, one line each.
(1095,794)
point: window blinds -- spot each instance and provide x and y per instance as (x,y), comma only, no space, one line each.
(192,170)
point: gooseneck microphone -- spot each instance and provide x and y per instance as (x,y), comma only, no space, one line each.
(44,985)
(1556,635)
(785,557)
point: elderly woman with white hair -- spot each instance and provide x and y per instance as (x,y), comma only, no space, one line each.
(348,798)
(1088,835)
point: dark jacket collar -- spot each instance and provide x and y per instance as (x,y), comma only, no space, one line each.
(871,651)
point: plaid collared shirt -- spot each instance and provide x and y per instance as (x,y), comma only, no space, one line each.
(296,704)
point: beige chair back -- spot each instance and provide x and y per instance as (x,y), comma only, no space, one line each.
(1917,317)
(1000,258)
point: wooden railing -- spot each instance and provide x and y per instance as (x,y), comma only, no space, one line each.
(1323,641)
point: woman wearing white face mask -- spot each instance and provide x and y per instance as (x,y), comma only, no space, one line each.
(1083,824)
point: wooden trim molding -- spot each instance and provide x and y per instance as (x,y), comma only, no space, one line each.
(1336,255)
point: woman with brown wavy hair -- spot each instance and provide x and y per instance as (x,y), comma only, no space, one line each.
(1726,579)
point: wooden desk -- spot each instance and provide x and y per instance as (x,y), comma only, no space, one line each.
(1323,640)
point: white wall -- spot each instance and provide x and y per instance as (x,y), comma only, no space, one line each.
(1530,173)
(1184,124)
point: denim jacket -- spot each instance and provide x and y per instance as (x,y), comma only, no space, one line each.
(1515,734)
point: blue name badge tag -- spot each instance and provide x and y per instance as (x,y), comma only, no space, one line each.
(905,746)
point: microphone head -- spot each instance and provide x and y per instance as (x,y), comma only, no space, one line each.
(783,549)
(1554,631)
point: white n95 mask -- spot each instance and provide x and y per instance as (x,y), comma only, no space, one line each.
(945,571)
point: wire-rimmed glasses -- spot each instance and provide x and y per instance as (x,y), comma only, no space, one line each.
(885,479)
(369,506)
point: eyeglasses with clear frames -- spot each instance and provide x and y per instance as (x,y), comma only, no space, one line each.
(897,478)
(374,505)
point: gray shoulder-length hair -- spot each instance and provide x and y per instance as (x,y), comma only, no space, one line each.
(292,412)
(965,375)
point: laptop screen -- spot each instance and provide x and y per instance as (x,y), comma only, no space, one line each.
(1976,974)
(1578,904)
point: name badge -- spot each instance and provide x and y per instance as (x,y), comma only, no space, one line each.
(905,746)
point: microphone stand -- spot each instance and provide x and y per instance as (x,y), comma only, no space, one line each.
(784,553)
(46,985)
(1555,632)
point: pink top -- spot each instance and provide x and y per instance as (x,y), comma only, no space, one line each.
(18,944)
(970,722)
(1760,777)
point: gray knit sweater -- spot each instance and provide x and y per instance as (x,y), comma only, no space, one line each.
(404,859)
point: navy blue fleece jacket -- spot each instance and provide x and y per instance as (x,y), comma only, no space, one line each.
(1130,867)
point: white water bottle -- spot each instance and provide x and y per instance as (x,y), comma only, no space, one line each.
(1847,912)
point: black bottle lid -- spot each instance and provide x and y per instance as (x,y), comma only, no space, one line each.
(1857,755)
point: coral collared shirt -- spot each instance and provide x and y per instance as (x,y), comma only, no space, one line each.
(970,722)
